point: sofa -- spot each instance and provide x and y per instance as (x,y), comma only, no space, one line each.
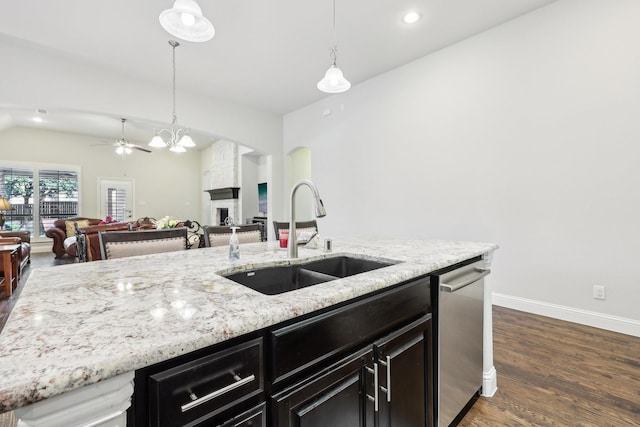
(59,233)
(21,238)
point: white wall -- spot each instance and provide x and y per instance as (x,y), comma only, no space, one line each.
(300,165)
(526,135)
(164,185)
(250,167)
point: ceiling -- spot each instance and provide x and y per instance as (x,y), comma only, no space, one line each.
(265,54)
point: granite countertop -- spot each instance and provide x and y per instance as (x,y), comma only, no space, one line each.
(77,324)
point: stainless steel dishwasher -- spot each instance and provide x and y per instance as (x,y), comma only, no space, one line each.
(459,346)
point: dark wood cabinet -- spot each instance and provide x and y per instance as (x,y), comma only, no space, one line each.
(334,397)
(404,363)
(365,363)
(194,393)
(255,417)
(310,342)
(386,384)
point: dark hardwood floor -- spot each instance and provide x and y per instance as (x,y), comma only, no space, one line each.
(556,373)
(550,372)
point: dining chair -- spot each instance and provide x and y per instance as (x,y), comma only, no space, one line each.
(120,244)
(219,235)
(301,226)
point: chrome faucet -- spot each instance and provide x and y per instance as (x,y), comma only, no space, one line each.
(292,246)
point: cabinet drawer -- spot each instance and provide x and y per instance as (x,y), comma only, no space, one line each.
(305,343)
(192,392)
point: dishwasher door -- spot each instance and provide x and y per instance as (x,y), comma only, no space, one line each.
(460,332)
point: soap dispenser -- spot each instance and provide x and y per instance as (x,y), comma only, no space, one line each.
(234,246)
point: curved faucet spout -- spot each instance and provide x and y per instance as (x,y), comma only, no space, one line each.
(292,245)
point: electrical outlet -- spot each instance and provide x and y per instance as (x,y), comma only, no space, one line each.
(599,293)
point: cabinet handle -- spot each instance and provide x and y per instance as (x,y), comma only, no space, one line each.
(387,364)
(375,397)
(481,272)
(388,379)
(213,395)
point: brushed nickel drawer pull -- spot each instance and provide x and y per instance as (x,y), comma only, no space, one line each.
(387,365)
(388,379)
(376,385)
(213,395)
(375,397)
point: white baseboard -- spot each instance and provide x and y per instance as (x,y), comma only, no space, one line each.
(489,382)
(583,317)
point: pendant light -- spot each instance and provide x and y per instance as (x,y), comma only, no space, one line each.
(186,22)
(178,137)
(334,81)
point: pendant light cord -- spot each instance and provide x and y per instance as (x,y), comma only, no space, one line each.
(174,82)
(174,44)
(334,48)
(334,23)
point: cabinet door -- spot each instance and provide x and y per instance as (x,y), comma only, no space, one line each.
(404,359)
(255,417)
(336,397)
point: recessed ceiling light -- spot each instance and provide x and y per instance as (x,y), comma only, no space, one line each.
(411,17)
(38,119)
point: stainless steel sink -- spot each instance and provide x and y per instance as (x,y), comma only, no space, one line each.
(277,280)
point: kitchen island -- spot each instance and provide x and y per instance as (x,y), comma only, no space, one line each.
(82,324)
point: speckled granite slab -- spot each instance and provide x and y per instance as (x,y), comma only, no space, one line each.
(77,324)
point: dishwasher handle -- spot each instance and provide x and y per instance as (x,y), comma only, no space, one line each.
(452,287)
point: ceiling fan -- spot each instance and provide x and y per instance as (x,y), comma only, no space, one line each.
(124,147)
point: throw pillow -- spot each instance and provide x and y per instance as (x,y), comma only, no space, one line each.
(71,229)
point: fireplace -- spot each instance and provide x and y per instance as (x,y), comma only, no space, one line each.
(221,215)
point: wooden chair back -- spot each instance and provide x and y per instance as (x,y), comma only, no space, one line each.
(219,235)
(301,226)
(120,244)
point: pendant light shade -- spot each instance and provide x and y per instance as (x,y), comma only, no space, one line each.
(187,142)
(157,142)
(185,21)
(334,81)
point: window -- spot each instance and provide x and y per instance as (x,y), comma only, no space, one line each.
(58,196)
(116,203)
(17,188)
(55,192)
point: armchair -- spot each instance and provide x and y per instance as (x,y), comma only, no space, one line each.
(59,234)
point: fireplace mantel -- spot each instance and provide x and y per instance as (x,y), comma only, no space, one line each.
(224,193)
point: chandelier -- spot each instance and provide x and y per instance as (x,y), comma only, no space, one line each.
(334,81)
(178,139)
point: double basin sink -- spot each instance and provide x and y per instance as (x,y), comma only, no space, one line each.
(278,280)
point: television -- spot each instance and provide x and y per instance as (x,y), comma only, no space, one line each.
(262,197)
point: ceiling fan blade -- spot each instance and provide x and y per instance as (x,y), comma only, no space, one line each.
(138,147)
